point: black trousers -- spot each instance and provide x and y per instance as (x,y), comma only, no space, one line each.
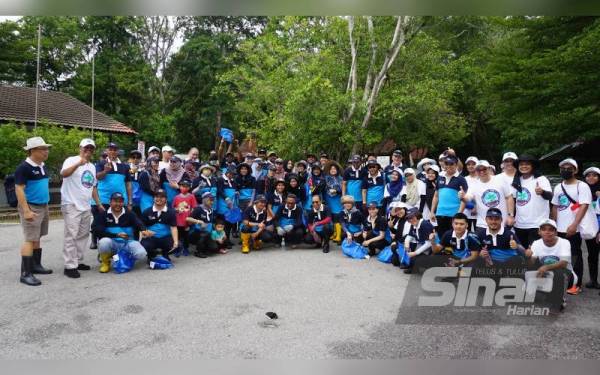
(576,255)
(183,236)
(444,224)
(327,231)
(593,249)
(95,216)
(527,236)
(203,242)
(153,244)
(294,237)
(265,235)
(376,246)
(472,224)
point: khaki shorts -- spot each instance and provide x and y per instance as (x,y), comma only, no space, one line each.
(38,227)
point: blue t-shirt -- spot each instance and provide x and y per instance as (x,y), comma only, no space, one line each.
(36,181)
(448,200)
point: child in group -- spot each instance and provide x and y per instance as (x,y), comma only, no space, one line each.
(184,203)
(219,236)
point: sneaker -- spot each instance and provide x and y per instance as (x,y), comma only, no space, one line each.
(83,267)
(93,246)
(200,254)
(185,252)
(223,251)
(72,273)
(177,252)
(574,290)
(408,271)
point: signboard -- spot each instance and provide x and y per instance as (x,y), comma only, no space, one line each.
(141,146)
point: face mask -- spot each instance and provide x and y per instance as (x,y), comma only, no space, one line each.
(566,175)
(184,190)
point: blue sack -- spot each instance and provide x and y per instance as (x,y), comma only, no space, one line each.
(226,134)
(123,261)
(354,250)
(385,255)
(160,263)
(233,215)
(403,255)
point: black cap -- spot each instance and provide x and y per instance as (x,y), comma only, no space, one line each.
(262,151)
(372,205)
(372,163)
(138,152)
(450,159)
(411,212)
(185,183)
(324,155)
(397,152)
(175,159)
(316,165)
(112,145)
(494,212)
(260,198)
(272,154)
(160,193)
(116,195)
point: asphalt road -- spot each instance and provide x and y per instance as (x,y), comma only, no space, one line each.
(329,306)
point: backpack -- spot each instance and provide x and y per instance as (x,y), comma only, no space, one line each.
(9,188)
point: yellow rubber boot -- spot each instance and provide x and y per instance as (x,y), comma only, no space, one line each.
(337,230)
(245,242)
(104,262)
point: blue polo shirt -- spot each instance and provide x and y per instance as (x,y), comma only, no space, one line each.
(36,181)
(160,222)
(375,188)
(113,181)
(448,200)
(354,178)
(498,245)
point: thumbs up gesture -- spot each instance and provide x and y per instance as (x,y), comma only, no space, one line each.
(538,189)
(513,243)
(432,236)
(461,193)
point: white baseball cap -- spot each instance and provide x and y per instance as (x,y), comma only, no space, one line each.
(482,163)
(435,167)
(569,161)
(152,148)
(168,148)
(509,155)
(35,142)
(409,171)
(87,142)
(398,204)
(595,170)
(473,159)
(548,222)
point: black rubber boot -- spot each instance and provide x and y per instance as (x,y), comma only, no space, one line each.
(26,275)
(37,263)
(325,245)
(94,242)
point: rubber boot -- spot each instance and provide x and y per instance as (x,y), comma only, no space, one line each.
(245,242)
(337,230)
(37,263)
(104,262)
(325,245)
(257,244)
(26,272)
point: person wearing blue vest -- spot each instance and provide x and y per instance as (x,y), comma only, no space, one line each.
(113,177)
(395,165)
(419,240)
(276,199)
(33,195)
(161,223)
(288,222)
(149,180)
(333,197)
(115,228)
(206,182)
(373,184)
(246,185)
(457,247)
(170,177)
(255,225)
(315,185)
(501,249)
(351,219)
(352,181)
(319,228)
(374,230)
(135,170)
(227,193)
(446,200)
(202,220)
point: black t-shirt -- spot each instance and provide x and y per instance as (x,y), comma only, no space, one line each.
(380,224)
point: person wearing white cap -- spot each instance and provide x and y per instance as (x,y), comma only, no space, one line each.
(592,178)
(413,193)
(553,254)
(154,151)
(33,194)
(570,203)
(423,166)
(509,168)
(471,177)
(79,186)
(167,153)
(488,193)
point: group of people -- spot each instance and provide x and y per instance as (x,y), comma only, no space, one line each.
(439,212)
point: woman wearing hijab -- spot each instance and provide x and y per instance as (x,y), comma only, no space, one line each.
(205,182)
(333,197)
(392,189)
(295,187)
(592,178)
(191,170)
(149,182)
(414,191)
(246,184)
(171,176)
(430,186)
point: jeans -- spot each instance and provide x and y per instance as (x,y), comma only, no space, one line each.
(153,244)
(111,246)
(576,255)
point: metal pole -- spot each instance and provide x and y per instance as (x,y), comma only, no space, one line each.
(93,78)
(37,78)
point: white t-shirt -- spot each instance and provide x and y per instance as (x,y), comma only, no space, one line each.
(421,190)
(470,181)
(506,179)
(77,188)
(531,208)
(548,255)
(491,194)
(565,216)
(162,165)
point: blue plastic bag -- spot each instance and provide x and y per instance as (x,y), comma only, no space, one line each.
(226,134)
(160,263)
(123,261)
(403,255)
(233,215)
(354,250)
(385,255)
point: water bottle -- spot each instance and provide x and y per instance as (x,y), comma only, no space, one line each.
(283,243)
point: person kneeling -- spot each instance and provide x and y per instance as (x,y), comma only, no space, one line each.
(373,235)
(254,225)
(419,241)
(288,222)
(320,225)
(202,219)
(115,229)
(161,222)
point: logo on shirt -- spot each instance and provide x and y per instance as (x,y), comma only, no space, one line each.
(550,259)
(490,198)
(87,179)
(563,202)
(523,197)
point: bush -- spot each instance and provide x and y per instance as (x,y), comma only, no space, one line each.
(65,143)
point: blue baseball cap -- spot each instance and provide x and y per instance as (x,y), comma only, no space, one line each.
(116,195)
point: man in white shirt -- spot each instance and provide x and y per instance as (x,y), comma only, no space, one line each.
(569,204)
(167,154)
(532,193)
(553,254)
(78,188)
(488,193)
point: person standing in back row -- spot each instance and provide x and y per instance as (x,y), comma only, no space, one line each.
(78,188)
(446,201)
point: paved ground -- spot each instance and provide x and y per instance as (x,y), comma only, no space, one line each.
(328,306)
